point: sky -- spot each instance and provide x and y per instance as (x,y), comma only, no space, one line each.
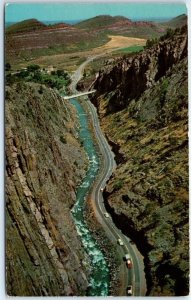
(15,12)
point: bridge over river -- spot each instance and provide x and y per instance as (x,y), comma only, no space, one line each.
(79,95)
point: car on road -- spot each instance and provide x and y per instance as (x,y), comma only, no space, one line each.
(120,242)
(129,263)
(129,290)
(106,215)
(126,257)
(101,189)
(128,260)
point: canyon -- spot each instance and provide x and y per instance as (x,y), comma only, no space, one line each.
(142,104)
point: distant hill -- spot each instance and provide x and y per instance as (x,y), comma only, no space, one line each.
(32,25)
(25,26)
(32,38)
(107,21)
(120,25)
(100,21)
(177,22)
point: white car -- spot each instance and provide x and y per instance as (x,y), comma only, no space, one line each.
(120,242)
(127,256)
(106,215)
(129,290)
(101,189)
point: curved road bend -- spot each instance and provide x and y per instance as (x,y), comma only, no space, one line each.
(134,276)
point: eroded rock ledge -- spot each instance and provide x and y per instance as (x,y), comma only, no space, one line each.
(44,165)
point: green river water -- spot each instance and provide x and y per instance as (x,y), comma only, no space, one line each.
(99,281)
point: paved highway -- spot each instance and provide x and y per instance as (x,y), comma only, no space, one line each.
(134,276)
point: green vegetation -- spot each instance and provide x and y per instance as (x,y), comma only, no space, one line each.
(7,67)
(131,49)
(169,34)
(33,68)
(58,79)
(156,217)
(163,90)
(151,42)
(118,184)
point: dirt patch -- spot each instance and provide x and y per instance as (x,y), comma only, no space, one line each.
(122,42)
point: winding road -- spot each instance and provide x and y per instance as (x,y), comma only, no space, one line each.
(134,276)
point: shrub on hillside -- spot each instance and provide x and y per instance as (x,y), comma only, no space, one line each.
(32,68)
(169,34)
(118,184)
(151,42)
(7,67)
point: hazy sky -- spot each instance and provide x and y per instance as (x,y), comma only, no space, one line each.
(76,11)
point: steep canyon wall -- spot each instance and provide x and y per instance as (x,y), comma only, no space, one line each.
(44,164)
(143,106)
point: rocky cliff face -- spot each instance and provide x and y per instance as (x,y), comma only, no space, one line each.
(129,78)
(44,164)
(143,105)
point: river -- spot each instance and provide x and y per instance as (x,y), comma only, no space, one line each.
(99,280)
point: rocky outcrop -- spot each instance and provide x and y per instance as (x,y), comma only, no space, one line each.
(129,78)
(143,106)
(44,165)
